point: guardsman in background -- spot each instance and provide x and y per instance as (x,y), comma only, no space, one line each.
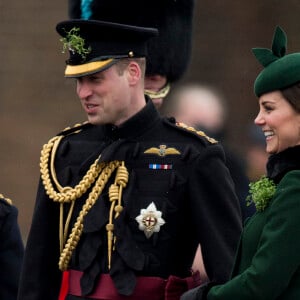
(168,53)
(11,250)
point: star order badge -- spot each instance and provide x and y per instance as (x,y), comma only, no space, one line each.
(150,220)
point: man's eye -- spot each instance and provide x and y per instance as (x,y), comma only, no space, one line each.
(96,78)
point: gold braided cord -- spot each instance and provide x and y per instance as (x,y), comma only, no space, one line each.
(115,195)
(56,142)
(97,175)
(78,226)
(121,180)
(110,237)
(67,223)
(63,229)
(66,194)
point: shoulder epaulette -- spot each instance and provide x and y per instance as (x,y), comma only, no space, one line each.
(198,132)
(6,199)
(74,129)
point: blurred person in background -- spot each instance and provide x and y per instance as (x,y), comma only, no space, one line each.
(169,53)
(11,250)
(204,108)
(267,263)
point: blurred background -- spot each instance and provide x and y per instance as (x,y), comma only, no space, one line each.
(37,101)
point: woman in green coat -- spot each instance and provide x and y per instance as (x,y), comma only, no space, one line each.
(267,264)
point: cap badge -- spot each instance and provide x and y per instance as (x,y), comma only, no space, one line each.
(75,43)
(150,220)
(162,151)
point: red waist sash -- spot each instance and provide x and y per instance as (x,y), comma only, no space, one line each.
(147,288)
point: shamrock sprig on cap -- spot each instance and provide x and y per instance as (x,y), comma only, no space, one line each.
(75,43)
(261,193)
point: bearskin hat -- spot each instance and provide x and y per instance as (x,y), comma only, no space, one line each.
(168,53)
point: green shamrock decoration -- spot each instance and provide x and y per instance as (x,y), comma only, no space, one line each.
(261,192)
(75,43)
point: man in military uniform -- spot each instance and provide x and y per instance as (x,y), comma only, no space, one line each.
(125,199)
(168,53)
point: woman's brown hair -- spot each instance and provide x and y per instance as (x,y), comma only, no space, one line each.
(292,95)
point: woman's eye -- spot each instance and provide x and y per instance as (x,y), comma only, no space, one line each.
(268,108)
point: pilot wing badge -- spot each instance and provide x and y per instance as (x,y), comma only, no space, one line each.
(162,151)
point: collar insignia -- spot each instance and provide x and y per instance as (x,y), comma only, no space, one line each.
(162,151)
(150,220)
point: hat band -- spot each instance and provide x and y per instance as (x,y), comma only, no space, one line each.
(88,68)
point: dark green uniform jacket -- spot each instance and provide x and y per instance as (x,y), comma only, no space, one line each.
(267,265)
(179,171)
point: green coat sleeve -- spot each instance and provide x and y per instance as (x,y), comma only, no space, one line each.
(274,269)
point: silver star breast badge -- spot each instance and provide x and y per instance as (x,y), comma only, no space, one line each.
(150,220)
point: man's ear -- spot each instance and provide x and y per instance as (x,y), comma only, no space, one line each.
(134,72)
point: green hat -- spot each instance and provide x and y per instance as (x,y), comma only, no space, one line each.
(280,70)
(96,45)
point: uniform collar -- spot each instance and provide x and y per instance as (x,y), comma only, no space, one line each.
(136,125)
